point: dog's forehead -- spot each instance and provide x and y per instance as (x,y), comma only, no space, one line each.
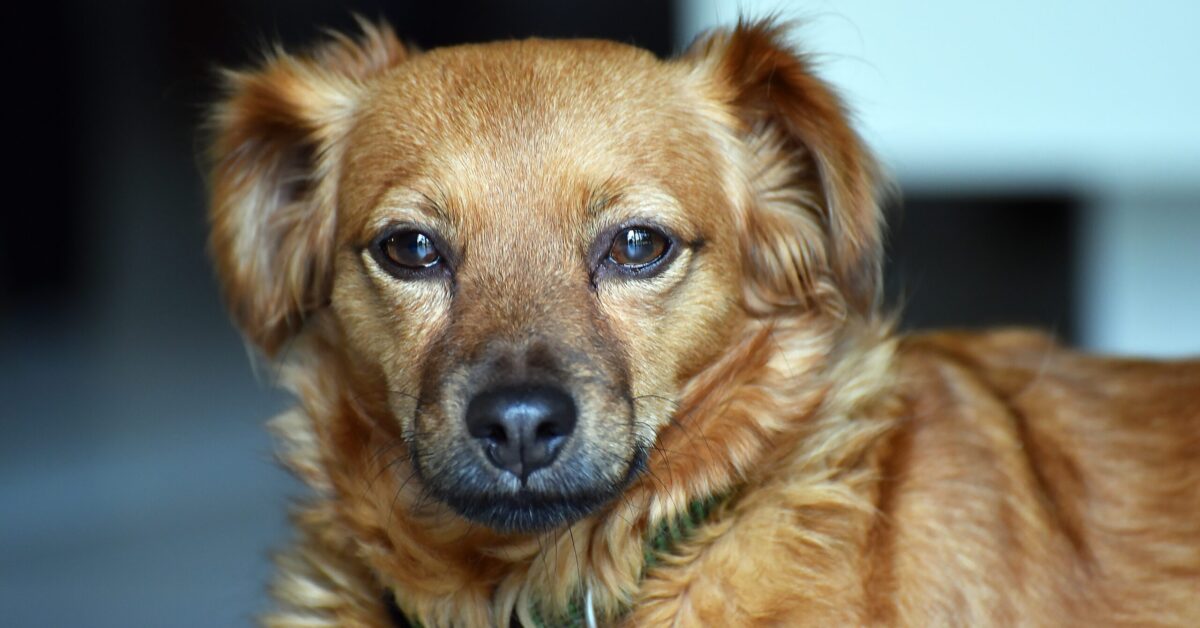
(538,127)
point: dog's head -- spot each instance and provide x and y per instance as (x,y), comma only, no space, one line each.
(520,252)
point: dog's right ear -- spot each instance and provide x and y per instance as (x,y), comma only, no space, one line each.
(276,153)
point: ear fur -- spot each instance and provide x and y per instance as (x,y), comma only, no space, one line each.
(814,236)
(276,153)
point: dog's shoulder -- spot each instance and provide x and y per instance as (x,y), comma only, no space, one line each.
(1073,465)
(1025,366)
(1051,398)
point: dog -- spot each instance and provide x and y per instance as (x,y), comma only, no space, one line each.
(582,336)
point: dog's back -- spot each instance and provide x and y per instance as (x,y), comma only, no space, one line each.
(1032,478)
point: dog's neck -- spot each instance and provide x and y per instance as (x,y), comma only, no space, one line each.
(782,393)
(668,535)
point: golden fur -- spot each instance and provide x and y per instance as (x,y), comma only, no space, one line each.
(953,478)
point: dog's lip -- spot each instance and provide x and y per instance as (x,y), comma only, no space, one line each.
(529,511)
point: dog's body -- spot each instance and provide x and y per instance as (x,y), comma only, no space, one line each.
(672,267)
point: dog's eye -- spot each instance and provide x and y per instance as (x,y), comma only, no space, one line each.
(637,247)
(409,249)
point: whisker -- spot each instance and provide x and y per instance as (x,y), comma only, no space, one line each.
(403,393)
(578,565)
(692,436)
(405,457)
(396,496)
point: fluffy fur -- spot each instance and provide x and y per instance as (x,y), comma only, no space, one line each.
(953,478)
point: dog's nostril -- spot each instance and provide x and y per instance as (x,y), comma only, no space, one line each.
(548,429)
(497,435)
(522,428)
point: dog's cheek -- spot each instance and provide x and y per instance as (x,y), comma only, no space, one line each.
(388,326)
(668,329)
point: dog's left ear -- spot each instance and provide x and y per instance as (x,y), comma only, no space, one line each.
(813,235)
(276,155)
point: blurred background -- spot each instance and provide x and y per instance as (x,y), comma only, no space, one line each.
(1048,153)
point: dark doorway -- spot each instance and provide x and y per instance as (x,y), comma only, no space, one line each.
(976,259)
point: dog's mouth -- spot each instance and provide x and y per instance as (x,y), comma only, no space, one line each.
(544,501)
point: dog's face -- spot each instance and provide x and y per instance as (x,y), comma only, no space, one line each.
(524,250)
(532,255)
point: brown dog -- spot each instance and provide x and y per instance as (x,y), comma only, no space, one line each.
(584,335)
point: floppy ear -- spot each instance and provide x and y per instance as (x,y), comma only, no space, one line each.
(276,154)
(813,235)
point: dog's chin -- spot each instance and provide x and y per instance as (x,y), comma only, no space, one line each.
(529,511)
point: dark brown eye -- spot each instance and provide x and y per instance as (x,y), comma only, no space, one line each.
(636,247)
(409,249)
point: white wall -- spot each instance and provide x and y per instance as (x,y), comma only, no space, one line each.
(1142,291)
(1102,97)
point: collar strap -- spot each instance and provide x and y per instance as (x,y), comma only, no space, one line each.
(666,537)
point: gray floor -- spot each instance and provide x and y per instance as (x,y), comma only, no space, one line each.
(137,486)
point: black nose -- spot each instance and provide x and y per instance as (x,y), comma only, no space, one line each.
(522,428)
